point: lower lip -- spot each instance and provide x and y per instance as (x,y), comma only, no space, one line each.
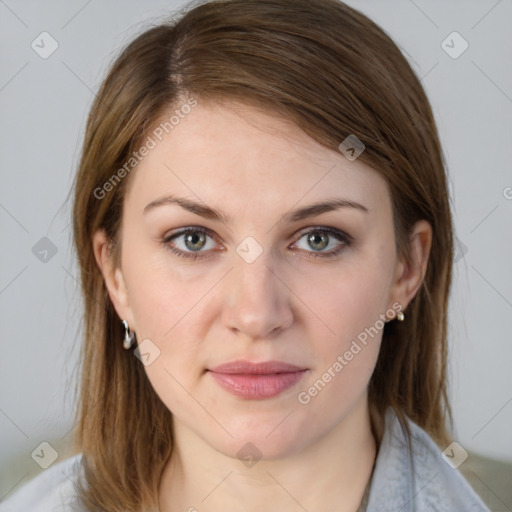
(257,387)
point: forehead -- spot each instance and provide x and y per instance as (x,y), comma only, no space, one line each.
(237,155)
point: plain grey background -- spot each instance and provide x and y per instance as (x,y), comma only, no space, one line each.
(43,107)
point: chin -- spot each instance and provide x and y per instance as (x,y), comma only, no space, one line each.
(253,449)
(275,436)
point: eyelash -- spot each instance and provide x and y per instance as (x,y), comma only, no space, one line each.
(339,235)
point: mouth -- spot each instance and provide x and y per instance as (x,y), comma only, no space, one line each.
(257,381)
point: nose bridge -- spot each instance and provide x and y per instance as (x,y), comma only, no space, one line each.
(256,302)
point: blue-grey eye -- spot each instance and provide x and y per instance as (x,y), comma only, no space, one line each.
(320,241)
(192,241)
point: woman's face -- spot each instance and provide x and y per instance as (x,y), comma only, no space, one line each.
(227,255)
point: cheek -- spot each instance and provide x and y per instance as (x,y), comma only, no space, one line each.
(347,303)
(163,297)
(170,313)
(170,382)
(347,345)
(345,360)
(170,308)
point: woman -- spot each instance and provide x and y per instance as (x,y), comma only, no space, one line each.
(265,241)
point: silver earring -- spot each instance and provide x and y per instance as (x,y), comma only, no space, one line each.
(129,338)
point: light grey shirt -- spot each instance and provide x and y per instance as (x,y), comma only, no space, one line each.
(402,481)
(420,480)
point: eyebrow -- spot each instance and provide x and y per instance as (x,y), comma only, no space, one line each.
(298,214)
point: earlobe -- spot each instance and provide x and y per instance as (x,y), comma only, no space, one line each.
(112,276)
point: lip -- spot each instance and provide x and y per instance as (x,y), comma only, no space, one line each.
(257,381)
(266,367)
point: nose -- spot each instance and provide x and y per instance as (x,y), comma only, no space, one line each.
(256,300)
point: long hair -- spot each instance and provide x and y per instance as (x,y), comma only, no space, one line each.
(333,72)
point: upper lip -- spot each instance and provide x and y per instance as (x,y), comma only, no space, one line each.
(266,367)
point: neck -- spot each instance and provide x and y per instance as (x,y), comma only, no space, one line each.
(335,470)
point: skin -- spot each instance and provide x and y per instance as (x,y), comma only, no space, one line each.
(286,305)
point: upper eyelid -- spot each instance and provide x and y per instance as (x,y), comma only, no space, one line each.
(188,229)
(327,229)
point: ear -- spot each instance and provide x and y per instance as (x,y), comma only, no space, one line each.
(113,277)
(409,276)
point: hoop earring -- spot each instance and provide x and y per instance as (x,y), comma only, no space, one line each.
(129,338)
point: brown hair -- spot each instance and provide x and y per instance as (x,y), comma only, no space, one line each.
(333,72)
